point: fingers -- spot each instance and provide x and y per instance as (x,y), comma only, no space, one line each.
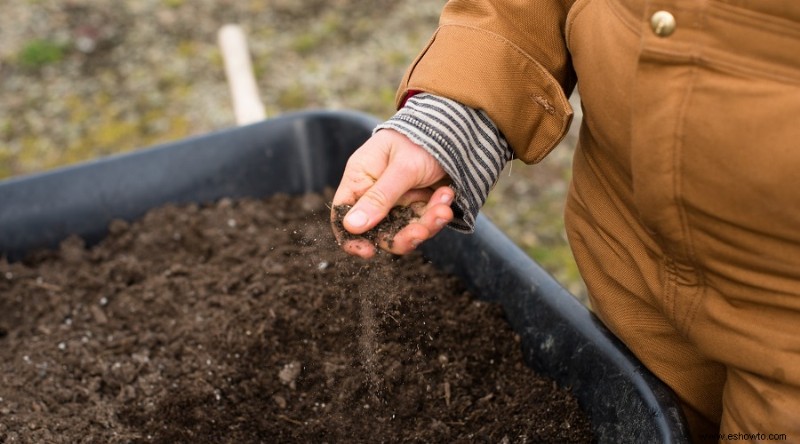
(433,218)
(391,170)
(360,247)
(380,173)
(376,201)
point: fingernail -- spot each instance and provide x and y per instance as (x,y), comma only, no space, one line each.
(415,242)
(440,222)
(357,219)
(446,198)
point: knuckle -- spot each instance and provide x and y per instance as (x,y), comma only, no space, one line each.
(377,197)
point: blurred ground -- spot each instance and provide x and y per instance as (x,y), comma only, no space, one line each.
(86,78)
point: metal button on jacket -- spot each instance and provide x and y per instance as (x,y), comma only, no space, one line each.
(662,23)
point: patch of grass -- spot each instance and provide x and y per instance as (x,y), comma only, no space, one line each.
(34,154)
(305,43)
(102,127)
(174,3)
(386,96)
(6,129)
(187,49)
(325,31)
(331,25)
(6,163)
(38,53)
(398,59)
(216,60)
(294,97)
(557,259)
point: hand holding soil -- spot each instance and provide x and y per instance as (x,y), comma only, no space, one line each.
(380,235)
(383,234)
(387,171)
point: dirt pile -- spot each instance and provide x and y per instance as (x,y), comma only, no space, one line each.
(242,321)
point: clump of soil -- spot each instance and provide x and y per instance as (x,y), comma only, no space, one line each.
(385,230)
(243,321)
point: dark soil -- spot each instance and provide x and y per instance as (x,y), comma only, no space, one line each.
(243,322)
(386,229)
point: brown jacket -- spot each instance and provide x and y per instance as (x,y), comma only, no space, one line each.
(684,211)
(484,55)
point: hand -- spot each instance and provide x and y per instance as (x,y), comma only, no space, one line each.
(390,170)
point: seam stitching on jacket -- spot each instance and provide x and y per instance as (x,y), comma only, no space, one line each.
(538,66)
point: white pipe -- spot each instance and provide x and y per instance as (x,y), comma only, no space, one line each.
(247,106)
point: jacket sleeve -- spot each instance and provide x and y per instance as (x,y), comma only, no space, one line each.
(443,127)
(507,58)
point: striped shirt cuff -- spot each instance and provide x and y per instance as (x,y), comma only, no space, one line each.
(466,143)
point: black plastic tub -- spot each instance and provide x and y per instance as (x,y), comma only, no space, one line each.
(305,152)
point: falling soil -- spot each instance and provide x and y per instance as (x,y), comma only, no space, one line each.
(243,322)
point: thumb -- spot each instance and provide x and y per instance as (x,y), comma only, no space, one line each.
(378,200)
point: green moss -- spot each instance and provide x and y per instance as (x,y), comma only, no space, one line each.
(186,49)
(261,67)
(324,32)
(100,133)
(115,135)
(7,160)
(331,25)
(6,130)
(77,109)
(38,53)
(305,43)
(293,97)
(363,27)
(399,59)
(215,59)
(179,128)
(386,96)
(34,153)
(174,3)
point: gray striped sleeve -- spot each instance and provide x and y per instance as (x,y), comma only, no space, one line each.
(464,140)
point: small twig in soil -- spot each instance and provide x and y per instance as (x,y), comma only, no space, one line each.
(288,419)
(46,286)
(393,318)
